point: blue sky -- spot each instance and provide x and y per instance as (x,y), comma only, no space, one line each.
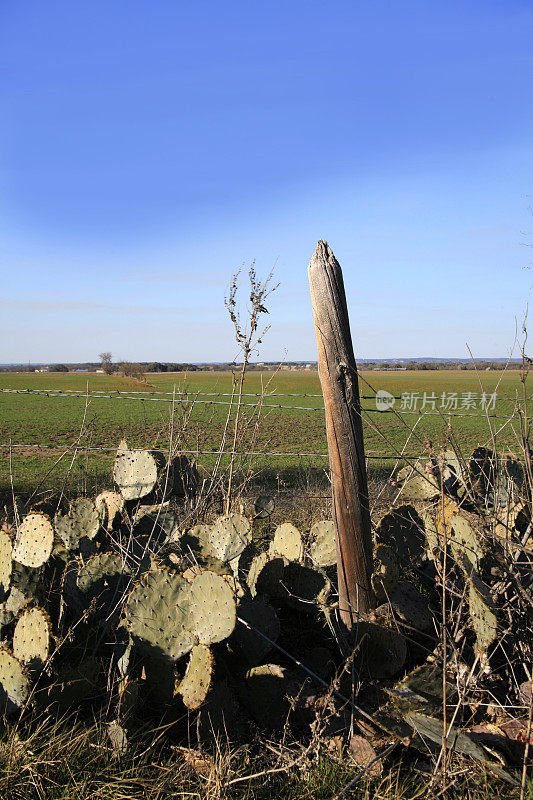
(149,148)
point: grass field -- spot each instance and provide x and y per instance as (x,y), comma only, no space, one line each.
(56,421)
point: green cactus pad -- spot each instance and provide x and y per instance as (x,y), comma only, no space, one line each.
(16,601)
(14,682)
(323,548)
(419,484)
(307,589)
(287,543)
(102,581)
(266,576)
(34,540)
(157,611)
(211,610)
(109,506)
(261,617)
(266,689)
(386,571)
(31,637)
(197,679)
(403,530)
(411,607)
(432,534)
(135,472)
(264,506)
(72,597)
(227,538)
(464,540)
(184,478)
(481,607)
(385,650)
(81,520)
(6,564)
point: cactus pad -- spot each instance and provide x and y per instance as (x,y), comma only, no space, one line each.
(6,564)
(81,520)
(34,540)
(31,637)
(386,571)
(266,576)
(307,589)
(266,687)
(227,538)
(385,650)
(403,530)
(484,620)
(264,506)
(287,543)
(109,506)
(14,683)
(464,540)
(156,612)
(102,580)
(211,609)
(260,616)
(411,607)
(135,472)
(419,484)
(324,543)
(197,680)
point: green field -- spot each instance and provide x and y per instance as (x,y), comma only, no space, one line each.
(27,420)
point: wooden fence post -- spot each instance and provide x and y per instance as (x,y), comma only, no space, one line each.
(338,376)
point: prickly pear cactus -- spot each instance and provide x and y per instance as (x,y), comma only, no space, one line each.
(102,581)
(156,614)
(323,547)
(266,576)
(386,571)
(465,540)
(263,506)
(403,531)
(6,564)
(135,472)
(287,543)
(266,687)
(409,605)
(197,679)
(109,506)
(481,607)
(307,589)
(81,521)
(14,682)
(384,650)
(211,609)
(257,620)
(227,538)
(34,540)
(419,484)
(31,637)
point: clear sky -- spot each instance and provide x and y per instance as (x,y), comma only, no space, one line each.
(148,148)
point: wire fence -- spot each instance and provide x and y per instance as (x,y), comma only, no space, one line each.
(262,400)
(171,398)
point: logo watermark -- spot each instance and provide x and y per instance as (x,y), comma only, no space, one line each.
(384,400)
(429,401)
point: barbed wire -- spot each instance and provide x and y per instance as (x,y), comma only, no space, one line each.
(84,448)
(193,398)
(194,393)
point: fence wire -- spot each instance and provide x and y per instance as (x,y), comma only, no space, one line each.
(192,397)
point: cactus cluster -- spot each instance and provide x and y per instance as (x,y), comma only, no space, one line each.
(155,619)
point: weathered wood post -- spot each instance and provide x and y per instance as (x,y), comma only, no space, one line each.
(338,375)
